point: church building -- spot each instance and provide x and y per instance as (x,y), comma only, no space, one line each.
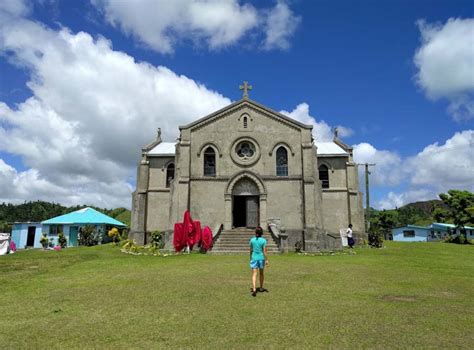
(247,165)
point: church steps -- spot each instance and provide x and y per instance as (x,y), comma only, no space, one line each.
(237,242)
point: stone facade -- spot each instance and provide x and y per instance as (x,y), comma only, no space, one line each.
(242,166)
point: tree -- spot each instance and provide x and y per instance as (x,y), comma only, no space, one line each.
(458,203)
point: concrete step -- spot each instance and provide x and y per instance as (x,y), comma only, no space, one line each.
(237,242)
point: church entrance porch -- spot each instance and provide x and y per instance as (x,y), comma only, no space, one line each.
(245,211)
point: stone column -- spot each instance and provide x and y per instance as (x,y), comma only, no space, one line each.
(228,212)
(139,205)
(263,211)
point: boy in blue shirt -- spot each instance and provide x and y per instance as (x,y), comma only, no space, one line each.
(258,259)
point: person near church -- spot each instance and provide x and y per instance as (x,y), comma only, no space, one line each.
(258,259)
(350,239)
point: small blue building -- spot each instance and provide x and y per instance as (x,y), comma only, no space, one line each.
(28,234)
(71,224)
(433,232)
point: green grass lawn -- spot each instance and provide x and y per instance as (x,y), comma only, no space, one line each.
(407,295)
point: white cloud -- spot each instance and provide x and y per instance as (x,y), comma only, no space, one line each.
(280,26)
(388,169)
(446,166)
(445,64)
(91,110)
(163,24)
(16,187)
(436,169)
(322,132)
(13,8)
(397,200)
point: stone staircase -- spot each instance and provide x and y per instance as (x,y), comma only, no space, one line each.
(236,241)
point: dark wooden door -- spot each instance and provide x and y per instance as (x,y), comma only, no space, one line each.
(30,240)
(252,211)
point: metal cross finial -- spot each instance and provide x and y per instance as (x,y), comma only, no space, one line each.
(246,87)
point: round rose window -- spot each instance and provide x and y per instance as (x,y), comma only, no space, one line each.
(245,150)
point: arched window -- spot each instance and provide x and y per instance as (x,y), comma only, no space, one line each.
(209,162)
(324,176)
(281,161)
(169,174)
(245,122)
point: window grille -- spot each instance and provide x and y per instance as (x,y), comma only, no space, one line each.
(324,176)
(169,174)
(209,162)
(281,162)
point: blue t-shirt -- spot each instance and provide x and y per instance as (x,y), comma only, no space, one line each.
(257,244)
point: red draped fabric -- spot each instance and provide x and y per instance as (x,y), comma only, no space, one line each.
(194,236)
(206,238)
(179,237)
(187,233)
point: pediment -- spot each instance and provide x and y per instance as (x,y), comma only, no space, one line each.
(245,103)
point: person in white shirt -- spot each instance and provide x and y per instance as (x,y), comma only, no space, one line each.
(350,240)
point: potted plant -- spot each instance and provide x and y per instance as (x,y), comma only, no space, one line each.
(44,241)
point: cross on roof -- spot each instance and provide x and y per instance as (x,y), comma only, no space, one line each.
(246,87)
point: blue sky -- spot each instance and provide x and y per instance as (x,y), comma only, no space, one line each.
(396,76)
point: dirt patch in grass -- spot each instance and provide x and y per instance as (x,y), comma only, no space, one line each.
(406,298)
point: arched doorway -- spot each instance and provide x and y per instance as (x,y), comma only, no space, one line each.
(245,203)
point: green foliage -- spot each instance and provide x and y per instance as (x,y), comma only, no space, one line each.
(459,203)
(62,241)
(458,239)
(298,247)
(44,241)
(376,239)
(88,236)
(114,234)
(157,240)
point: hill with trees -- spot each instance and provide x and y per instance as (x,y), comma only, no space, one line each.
(454,207)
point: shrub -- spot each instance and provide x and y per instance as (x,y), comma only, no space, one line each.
(458,239)
(62,241)
(114,234)
(376,239)
(88,236)
(157,240)
(44,241)
(123,235)
(298,246)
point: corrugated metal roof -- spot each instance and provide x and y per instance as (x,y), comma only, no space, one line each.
(330,148)
(162,149)
(436,224)
(83,216)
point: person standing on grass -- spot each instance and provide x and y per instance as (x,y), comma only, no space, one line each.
(350,240)
(258,259)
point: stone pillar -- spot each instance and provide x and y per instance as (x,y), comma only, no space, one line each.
(283,242)
(183,180)
(228,212)
(263,211)
(139,204)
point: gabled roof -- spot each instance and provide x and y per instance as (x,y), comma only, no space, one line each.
(251,103)
(84,216)
(163,149)
(330,149)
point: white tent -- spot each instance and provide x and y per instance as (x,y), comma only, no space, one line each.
(4,243)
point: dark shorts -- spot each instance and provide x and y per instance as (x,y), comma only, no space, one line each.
(350,241)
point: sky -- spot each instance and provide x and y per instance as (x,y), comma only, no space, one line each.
(85,84)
